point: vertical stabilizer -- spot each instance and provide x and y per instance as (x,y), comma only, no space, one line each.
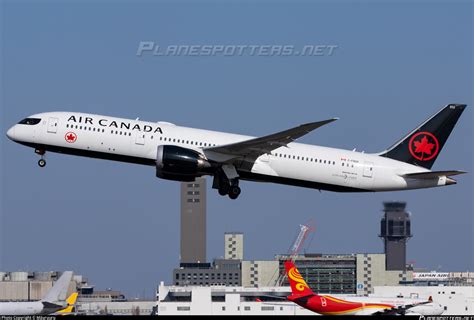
(297,283)
(59,291)
(423,144)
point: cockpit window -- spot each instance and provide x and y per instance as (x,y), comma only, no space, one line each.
(30,121)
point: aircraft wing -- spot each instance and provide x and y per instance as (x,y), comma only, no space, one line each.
(258,146)
(401,310)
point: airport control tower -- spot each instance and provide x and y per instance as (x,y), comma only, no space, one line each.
(395,230)
(193,222)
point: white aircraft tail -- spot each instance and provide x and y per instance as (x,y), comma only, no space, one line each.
(59,290)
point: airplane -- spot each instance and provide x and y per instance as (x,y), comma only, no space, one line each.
(53,301)
(329,305)
(182,154)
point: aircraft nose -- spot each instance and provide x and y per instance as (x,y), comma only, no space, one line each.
(11,133)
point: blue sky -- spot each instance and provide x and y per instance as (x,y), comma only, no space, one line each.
(395,65)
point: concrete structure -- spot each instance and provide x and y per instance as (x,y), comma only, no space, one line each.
(222,272)
(30,286)
(88,294)
(326,273)
(220,300)
(134,307)
(395,230)
(193,221)
(371,271)
(260,273)
(233,246)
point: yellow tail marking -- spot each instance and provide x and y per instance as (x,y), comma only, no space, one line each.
(294,275)
(72,298)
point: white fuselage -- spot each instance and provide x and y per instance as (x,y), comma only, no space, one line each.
(296,164)
(21,308)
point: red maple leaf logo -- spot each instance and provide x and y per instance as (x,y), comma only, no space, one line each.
(71,137)
(428,146)
(424,146)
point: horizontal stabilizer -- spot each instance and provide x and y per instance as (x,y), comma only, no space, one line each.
(432,174)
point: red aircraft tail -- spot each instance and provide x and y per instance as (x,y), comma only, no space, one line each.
(297,283)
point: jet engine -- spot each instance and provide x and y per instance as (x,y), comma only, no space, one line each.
(181,164)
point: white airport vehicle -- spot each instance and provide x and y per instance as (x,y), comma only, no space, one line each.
(182,154)
(55,300)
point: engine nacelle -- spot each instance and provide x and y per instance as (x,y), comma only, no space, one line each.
(181,164)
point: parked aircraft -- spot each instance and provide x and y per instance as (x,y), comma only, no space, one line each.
(329,305)
(54,300)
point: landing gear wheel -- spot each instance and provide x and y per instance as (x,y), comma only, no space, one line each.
(41,163)
(234,192)
(224,189)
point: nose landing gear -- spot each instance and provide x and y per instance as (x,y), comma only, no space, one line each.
(41,162)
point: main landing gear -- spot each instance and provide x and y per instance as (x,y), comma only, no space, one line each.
(226,186)
(231,189)
(41,162)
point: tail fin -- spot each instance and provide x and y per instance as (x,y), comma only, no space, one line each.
(59,291)
(297,283)
(422,146)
